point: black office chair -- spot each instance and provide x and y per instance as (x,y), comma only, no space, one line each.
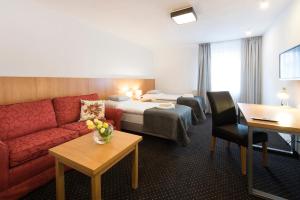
(225,126)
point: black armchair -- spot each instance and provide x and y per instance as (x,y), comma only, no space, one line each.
(225,126)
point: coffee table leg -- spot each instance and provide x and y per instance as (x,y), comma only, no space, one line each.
(135,168)
(60,180)
(96,187)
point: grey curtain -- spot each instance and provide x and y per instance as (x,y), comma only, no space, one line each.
(251,70)
(204,72)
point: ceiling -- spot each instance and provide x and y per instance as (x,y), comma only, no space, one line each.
(148,22)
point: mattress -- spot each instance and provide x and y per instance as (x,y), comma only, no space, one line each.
(133,118)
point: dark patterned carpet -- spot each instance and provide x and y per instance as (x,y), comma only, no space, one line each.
(169,171)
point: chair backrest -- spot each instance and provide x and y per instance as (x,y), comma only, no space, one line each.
(222,107)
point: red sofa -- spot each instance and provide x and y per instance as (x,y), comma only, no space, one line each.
(28,130)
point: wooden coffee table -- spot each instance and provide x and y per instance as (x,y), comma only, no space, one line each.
(92,159)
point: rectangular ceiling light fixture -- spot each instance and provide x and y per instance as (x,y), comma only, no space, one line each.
(184,16)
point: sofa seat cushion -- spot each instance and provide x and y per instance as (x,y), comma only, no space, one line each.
(21,119)
(77,126)
(32,146)
(67,109)
(81,127)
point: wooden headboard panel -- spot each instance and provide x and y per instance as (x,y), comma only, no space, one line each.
(22,89)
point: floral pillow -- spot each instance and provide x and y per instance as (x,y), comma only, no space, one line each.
(92,110)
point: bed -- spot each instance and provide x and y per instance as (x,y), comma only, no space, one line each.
(163,97)
(145,117)
(197,103)
(160,97)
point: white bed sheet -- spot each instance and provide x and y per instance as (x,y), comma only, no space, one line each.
(133,107)
(163,96)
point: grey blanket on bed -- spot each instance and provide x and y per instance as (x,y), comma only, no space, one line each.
(196,103)
(170,123)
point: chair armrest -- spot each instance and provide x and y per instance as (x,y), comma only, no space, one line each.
(4,166)
(115,115)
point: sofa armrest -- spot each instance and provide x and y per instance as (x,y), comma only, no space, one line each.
(115,115)
(4,166)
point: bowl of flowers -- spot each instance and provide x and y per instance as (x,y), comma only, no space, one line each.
(103,131)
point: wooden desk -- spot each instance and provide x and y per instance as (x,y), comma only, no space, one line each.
(288,122)
(92,159)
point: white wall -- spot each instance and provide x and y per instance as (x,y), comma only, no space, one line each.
(38,41)
(282,35)
(176,68)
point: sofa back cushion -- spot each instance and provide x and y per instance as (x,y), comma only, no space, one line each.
(67,109)
(24,118)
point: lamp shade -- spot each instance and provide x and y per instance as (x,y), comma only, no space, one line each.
(129,94)
(138,93)
(283,94)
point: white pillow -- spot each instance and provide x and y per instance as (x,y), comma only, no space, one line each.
(153,92)
(118,98)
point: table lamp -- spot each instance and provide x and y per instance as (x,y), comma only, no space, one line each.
(138,94)
(129,93)
(283,96)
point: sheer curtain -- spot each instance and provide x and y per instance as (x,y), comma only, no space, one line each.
(226,67)
(204,72)
(251,70)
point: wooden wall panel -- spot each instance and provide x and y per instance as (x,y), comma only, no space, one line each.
(17,90)
(22,89)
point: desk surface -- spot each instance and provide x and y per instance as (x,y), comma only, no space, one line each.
(90,158)
(288,119)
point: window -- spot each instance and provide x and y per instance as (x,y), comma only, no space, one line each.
(226,67)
